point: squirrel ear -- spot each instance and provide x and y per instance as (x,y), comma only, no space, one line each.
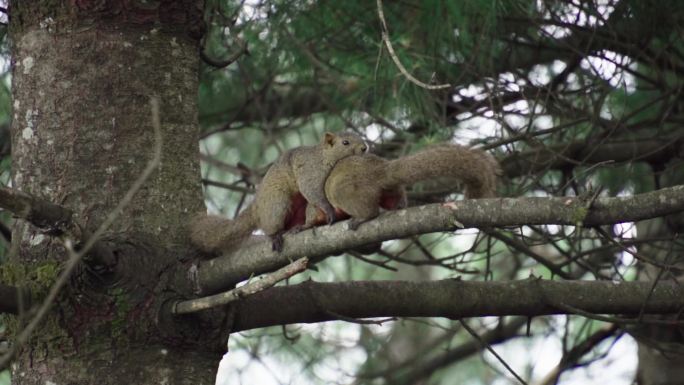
(329,138)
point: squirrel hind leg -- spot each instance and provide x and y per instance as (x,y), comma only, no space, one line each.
(329,212)
(273,217)
(360,212)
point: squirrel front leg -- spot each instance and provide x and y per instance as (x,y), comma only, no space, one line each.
(314,216)
(327,208)
(314,193)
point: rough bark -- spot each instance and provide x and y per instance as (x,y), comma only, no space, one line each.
(83,75)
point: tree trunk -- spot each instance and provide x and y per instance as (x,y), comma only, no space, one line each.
(83,75)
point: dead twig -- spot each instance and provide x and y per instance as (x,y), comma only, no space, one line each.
(195,305)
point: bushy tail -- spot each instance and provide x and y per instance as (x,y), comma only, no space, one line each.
(216,234)
(478,170)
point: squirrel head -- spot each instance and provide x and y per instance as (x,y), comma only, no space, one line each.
(339,146)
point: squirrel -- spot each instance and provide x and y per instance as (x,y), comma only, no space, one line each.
(358,186)
(294,182)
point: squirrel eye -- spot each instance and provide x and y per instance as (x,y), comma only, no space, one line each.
(345,142)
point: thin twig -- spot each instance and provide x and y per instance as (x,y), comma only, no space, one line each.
(197,304)
(655,282)
(637,256)
(619,320)
(221,63)
(395,59)
(360,256)
(520,246)
(228,186)
(572,357)
(491,350)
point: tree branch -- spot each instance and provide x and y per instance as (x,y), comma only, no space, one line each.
(572,357)
(654,151)
(421,371)
(311,302)
(395,59)
(222,272)
(492,352)
(197,304)
(48,216)
(55,220)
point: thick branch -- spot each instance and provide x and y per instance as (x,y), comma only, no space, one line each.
(42,214)
(54,220)
(219,273)
(311,302)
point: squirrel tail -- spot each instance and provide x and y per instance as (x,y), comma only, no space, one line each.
(477,169)
(215,234)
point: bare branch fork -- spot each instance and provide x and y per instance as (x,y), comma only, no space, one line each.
(220,273)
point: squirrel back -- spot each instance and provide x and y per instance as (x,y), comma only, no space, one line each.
(358,186)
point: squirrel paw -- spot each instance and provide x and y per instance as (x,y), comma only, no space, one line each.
(329,214)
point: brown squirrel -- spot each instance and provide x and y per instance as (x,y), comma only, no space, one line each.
(358,186)
(295,181)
